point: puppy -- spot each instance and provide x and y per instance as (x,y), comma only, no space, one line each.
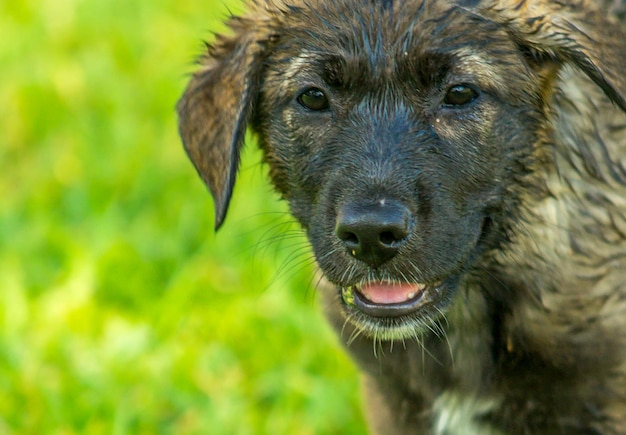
(459,169)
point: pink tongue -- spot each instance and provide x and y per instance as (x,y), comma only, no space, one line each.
(381,293)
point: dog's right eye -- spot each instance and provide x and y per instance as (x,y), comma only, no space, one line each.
(314,99)
(460,95)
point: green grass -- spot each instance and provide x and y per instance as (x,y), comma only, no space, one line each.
(120,310)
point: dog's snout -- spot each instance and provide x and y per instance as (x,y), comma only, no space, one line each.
(373,233)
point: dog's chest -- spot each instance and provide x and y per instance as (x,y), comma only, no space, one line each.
(459,414)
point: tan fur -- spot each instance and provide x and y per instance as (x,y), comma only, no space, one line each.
(517,203)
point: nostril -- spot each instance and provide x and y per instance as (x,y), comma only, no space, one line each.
(349,238)
(388,238)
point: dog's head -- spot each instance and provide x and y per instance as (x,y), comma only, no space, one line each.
(404,135)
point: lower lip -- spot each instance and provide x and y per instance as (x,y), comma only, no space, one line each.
(352,296)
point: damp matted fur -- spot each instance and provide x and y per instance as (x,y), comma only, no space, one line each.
(498,128)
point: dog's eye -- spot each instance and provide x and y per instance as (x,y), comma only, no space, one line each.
(313,99)
(460,95)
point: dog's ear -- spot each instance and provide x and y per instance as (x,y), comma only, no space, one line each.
(215,109)
(574,32)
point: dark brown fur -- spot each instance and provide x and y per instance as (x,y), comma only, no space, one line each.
(512,202)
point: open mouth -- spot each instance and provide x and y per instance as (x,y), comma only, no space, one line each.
(387,299)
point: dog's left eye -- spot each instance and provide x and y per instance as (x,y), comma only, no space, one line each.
(314,99)
(460,95)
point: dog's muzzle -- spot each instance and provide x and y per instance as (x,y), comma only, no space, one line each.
(373,233)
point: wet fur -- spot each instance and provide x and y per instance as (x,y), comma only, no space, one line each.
(519,199)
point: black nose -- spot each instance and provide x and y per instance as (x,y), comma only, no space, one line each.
(373,232)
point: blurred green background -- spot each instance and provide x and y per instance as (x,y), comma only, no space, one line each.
(120,310)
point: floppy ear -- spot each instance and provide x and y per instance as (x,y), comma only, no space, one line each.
(575,32)
(216,107)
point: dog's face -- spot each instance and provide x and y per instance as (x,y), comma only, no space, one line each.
(395,149)
(403,137)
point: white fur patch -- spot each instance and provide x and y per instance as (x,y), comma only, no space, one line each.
(457,414)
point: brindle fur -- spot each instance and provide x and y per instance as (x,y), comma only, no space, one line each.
(520,196)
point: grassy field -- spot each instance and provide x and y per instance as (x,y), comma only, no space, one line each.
(120,311)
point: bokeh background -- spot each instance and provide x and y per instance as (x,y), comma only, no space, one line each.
(121,312)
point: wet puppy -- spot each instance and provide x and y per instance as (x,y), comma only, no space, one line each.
(460,171)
